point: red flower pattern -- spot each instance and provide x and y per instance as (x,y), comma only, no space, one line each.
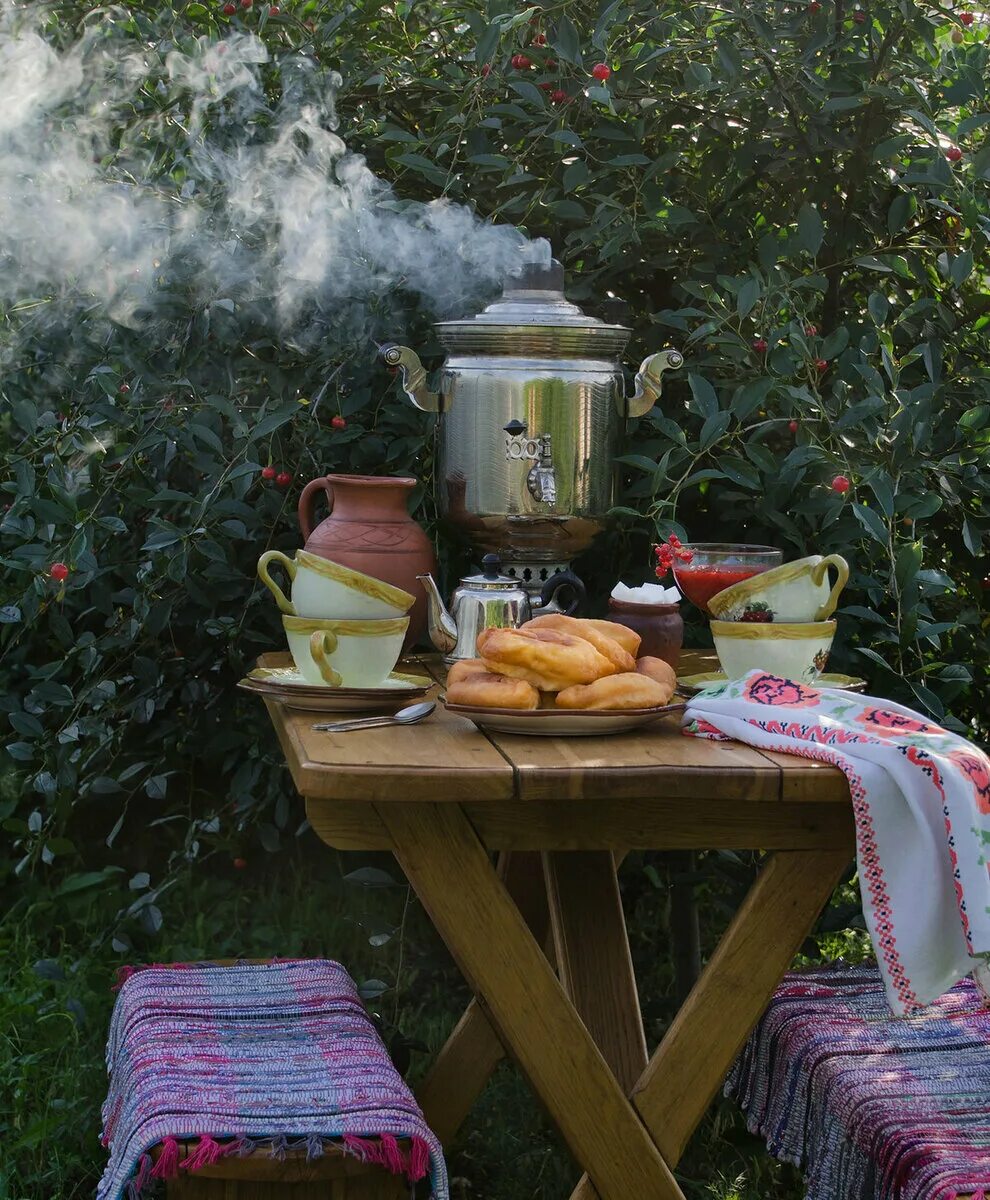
(885,723)
(771,689)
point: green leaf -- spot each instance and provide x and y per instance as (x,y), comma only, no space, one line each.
(907,564)
(871,522)
(575,174)
(528,91)
(972,537)
(372,877)
(713,428)
(704,394)
(88,879)
(747,296)
(879,307)
(901,208)
(811,231)
(697,77)
(567,41)
(962,267)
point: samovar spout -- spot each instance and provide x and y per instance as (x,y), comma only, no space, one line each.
(401,358)
(441,625)
(649,383)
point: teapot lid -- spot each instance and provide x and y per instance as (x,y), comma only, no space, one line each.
(533,317)
(491,577)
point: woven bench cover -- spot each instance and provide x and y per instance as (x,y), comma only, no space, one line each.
(870,1106)
(252,1058)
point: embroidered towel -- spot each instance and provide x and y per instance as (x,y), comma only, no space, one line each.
(252,1058)
(921,800)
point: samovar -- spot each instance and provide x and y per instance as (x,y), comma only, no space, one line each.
(533,411)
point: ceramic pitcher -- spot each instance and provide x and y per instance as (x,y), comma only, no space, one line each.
(369,529)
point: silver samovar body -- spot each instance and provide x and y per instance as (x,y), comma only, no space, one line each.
(533,410)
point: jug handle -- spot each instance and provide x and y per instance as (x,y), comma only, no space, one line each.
(563,579)
(307,504)
(818,573)
(649,383)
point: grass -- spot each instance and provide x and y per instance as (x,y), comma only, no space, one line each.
(56,968)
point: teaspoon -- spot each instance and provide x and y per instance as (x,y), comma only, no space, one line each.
(405,716)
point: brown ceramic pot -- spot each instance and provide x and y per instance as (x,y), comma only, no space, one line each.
(369,530)
(659,625)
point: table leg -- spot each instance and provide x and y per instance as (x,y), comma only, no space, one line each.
(735,987)
(473,1050)
(593,960)
(449,868)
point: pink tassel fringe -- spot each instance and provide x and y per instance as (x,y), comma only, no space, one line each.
(167,1164)
(207,1153)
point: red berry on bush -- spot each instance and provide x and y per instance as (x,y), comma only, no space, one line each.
(792,426)
(986,583)
(540,39)
(59,572)
(859,16)
(283,479)
(338,422)
(273,10)
(760,345)
(967,18)
(246,4)
(840,484)
(124,389)
(545,87)
(486,70)
(521,62)
(601,72)
(240,864)
(268,472)
(953,154)
(229,10)
(814,7)
(821,366)
(559,97)
(811,331)
(551,64)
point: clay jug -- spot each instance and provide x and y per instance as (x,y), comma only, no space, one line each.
(369,530)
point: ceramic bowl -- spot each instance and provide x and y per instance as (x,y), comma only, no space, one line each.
(795,592)
(793,651)
(345,653)
(328,591)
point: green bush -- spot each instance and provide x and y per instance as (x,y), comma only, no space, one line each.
(194,273)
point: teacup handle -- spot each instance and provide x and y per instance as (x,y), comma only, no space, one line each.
(291,567)
(818,573)
(321,645)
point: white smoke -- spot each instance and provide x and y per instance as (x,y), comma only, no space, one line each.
(264,204)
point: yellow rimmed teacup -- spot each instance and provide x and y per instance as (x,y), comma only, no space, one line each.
(345,653)
(792,650)
(329,591)
(794,592)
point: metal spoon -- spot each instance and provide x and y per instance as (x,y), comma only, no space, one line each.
(405,716)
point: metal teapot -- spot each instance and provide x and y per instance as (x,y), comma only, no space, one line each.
(490,600)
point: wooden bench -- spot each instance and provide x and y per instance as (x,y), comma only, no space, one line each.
(869,1105)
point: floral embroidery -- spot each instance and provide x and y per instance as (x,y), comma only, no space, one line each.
(885,723)
(976,769)
(771,689)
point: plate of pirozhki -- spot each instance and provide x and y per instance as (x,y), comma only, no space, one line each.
(559,675)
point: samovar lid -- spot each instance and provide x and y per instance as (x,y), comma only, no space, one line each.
(533,317)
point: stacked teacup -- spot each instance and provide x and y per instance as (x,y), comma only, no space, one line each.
(778,621)
(344,629)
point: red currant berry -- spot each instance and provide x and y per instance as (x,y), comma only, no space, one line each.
(338,422)
(953,154)
(486,70)
(246,4)
(986,584)
(967,18)
(792,426)
(268,472)
(124,389)
(551,64)
(601,72)
(559,97)
(674,541)
(858,16)
(239,864)
(59,572)
(273,10)
(540,39)
(283,479)
(760,345)
(840,484)
(521,62)
(814,7)
(546,87)
(229,10)
(821,366)
(811,331)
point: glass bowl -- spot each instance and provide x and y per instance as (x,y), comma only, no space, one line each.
(715,566)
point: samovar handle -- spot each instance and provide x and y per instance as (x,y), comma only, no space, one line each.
(401,358)
(649,383)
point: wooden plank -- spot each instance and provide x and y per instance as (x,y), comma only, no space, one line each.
(698,824)
(347,824)
(470,907)
(473,1051)
(709,1030)
(593,959)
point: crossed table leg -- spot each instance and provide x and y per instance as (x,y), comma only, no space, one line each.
(579,1038)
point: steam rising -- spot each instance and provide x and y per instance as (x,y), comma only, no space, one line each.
(264,204)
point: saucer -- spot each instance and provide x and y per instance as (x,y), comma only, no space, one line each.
(286,686)
(561,722)
(843,683)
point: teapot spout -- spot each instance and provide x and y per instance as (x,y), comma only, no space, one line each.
(442,627)
(649,383)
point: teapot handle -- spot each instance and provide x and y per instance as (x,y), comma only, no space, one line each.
(307,504)
(561,581)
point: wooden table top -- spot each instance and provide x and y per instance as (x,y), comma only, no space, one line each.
(448,759)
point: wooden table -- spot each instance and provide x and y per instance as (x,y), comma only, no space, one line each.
(540,935)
